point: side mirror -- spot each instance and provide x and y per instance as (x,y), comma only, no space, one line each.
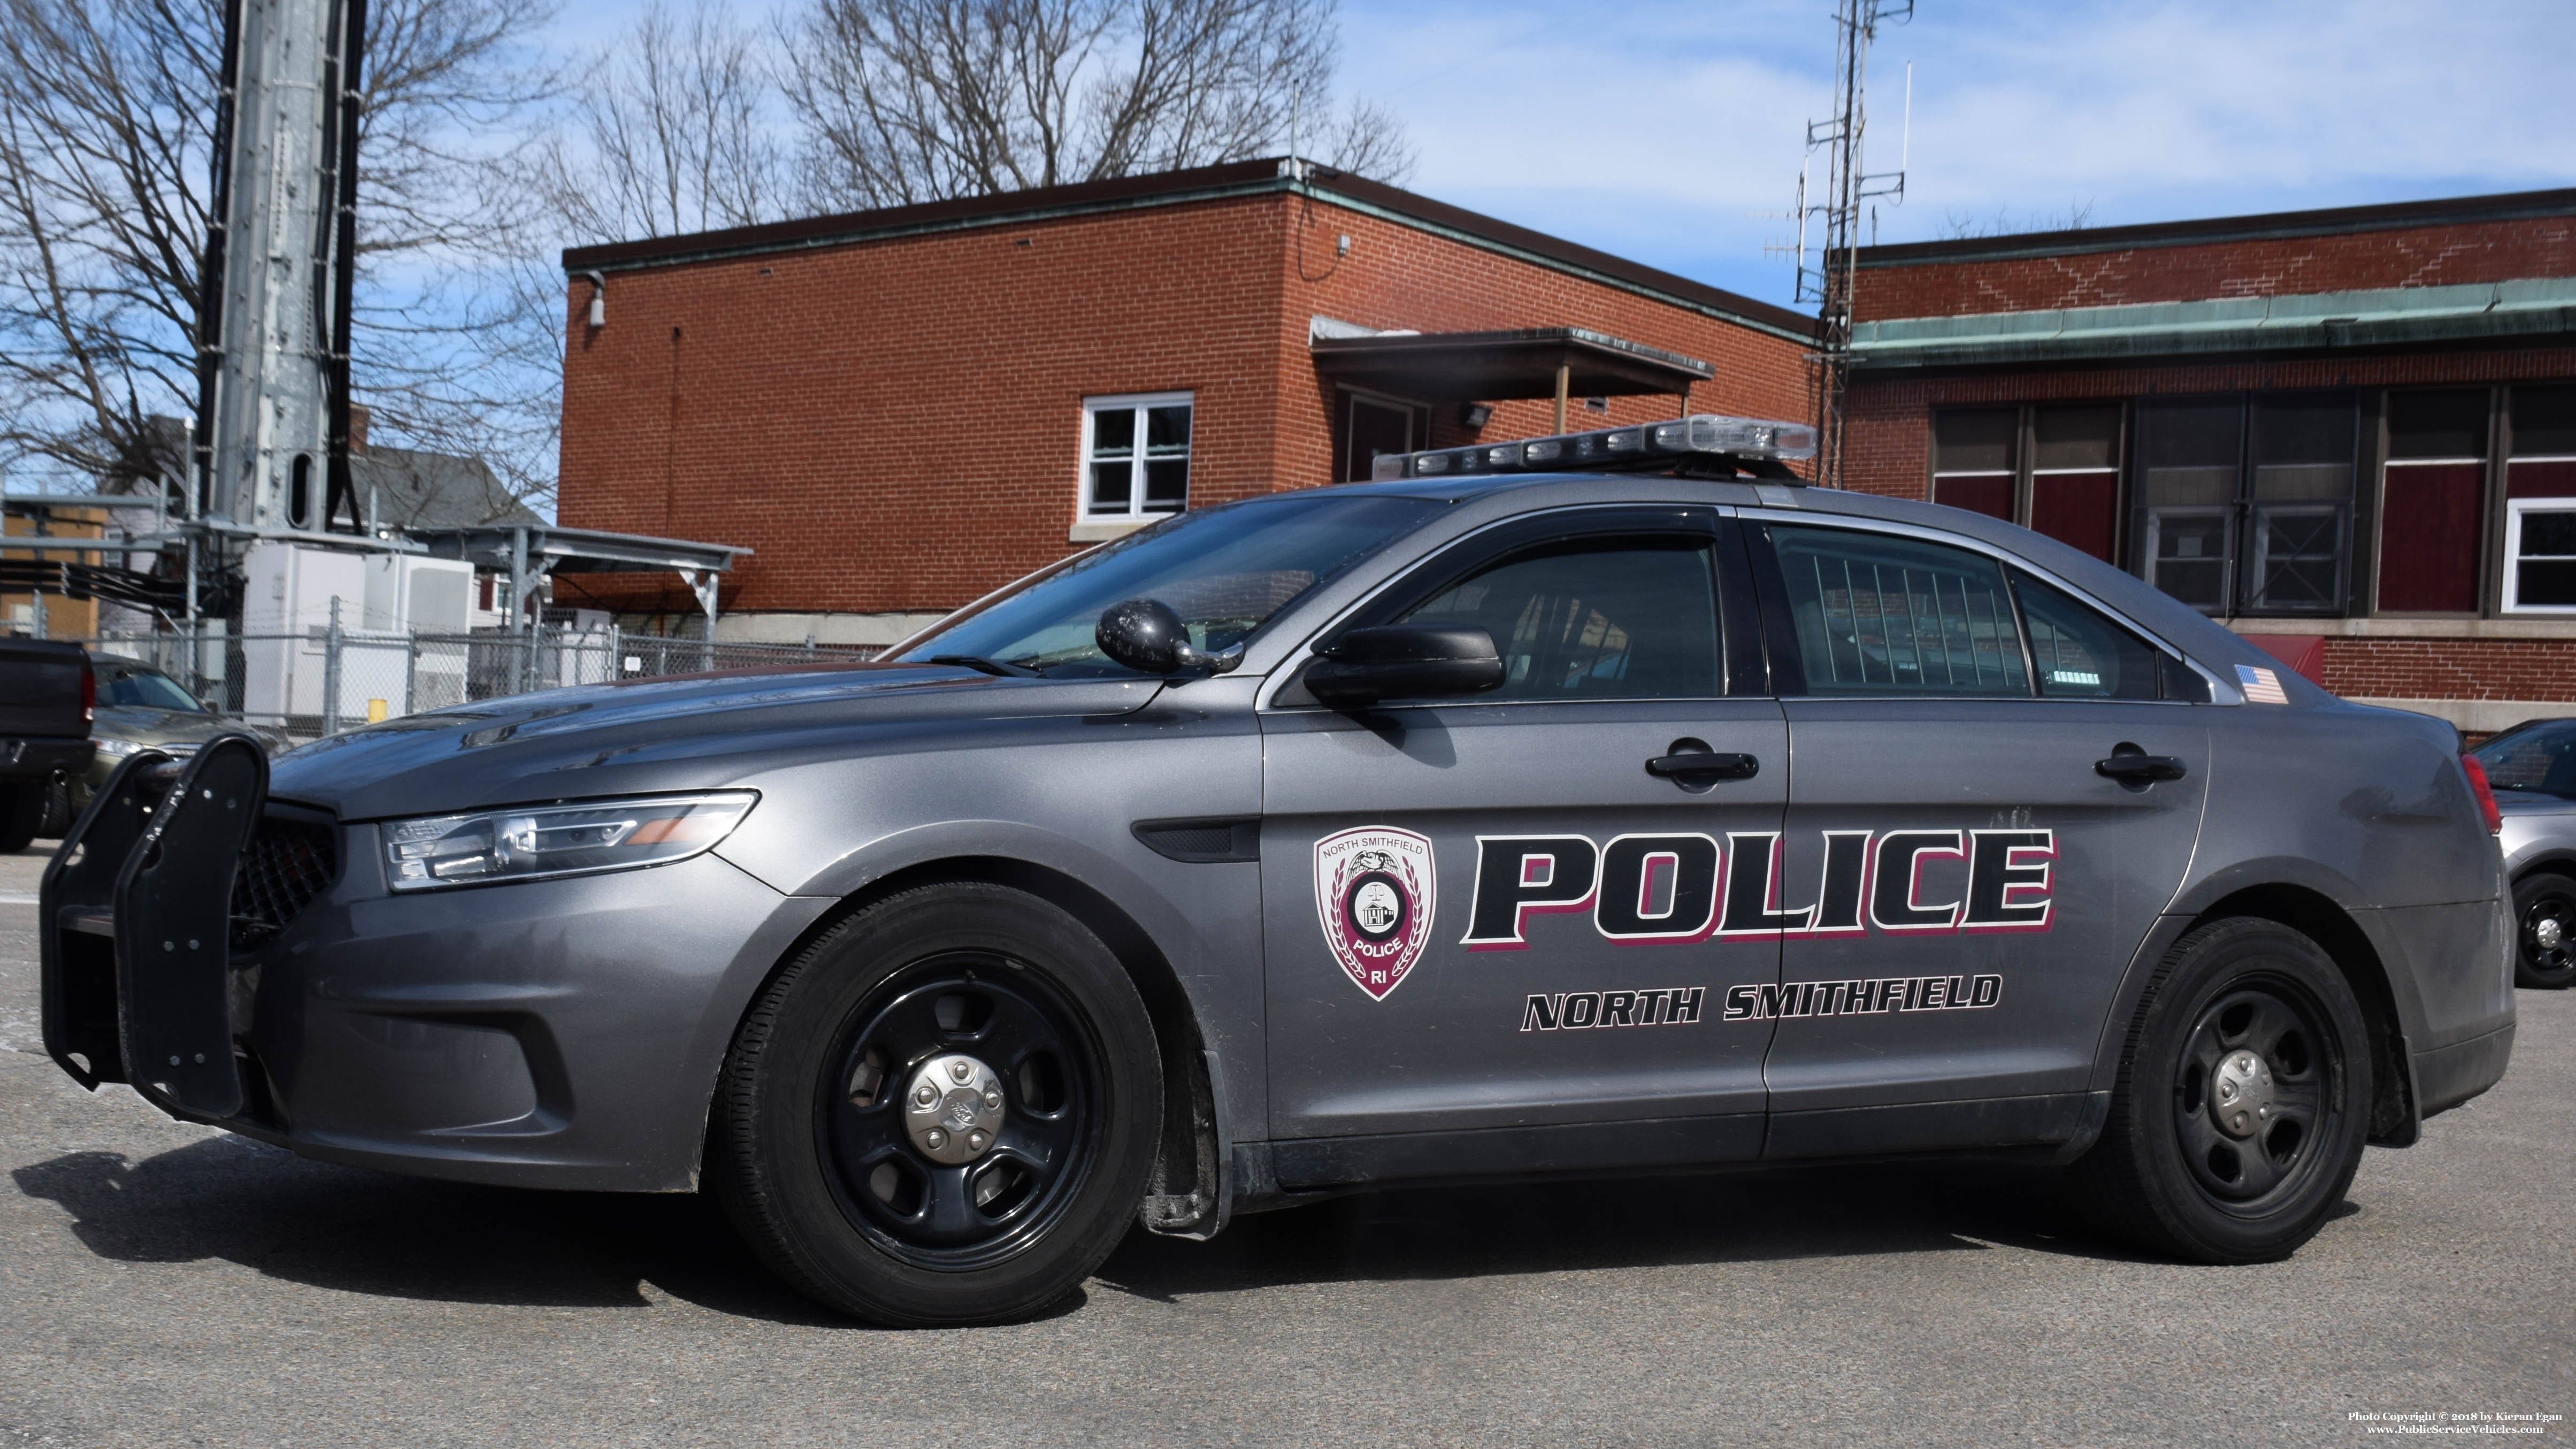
(1404,661)
(1147,636)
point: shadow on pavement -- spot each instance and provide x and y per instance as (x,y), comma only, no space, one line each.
(366,1232)
(1771,1215)
(358,1231)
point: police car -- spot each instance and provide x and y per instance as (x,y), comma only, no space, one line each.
(1604,802)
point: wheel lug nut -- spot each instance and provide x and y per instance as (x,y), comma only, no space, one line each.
(960,1070)
(993,1097)
(976,1140)
(935,1138)
(926,1095)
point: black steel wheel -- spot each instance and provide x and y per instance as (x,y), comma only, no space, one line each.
(2544,914)
(943,1111)
(2243,1099)
(971,1025)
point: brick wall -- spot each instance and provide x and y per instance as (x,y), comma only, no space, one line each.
(896,425)
(2432,256)
(2451,668)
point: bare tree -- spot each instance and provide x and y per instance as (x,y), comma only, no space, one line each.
(671,131)
(105,115)
(1961,226)
(917,100)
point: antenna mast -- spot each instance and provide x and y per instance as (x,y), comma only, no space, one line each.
(1848,189)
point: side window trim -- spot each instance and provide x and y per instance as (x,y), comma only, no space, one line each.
(1788,665)
(1450,562)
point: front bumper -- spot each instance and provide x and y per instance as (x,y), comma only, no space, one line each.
(561,1034)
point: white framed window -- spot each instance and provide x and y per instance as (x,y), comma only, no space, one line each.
(1136,455)
(2540,556)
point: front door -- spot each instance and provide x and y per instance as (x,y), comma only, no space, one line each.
(1975,887)
(1485,916)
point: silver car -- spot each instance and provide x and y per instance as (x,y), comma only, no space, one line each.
(2532,769)
(1488,822)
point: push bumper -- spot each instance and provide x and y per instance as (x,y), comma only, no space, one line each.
(560,1034)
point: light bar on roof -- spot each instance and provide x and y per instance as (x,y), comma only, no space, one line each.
(1701,435)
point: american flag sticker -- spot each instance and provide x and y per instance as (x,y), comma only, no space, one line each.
(2262,686)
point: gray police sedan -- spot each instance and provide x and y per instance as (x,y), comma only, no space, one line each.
(1496,820)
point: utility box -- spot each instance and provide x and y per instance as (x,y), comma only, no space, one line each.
(287,593)
(427,603)
(422,595)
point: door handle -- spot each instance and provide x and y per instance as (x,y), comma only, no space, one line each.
(2137,769)
(1702,766)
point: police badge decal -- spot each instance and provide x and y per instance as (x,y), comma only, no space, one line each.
(1373,888)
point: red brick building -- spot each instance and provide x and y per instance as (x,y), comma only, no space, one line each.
(2349,434)
(899,410)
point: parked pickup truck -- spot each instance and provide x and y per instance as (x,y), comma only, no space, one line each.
(47,694)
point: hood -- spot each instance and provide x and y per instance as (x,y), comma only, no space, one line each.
(148,726)
(690,732)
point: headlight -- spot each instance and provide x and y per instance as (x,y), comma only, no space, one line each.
(540,842)
(119,749)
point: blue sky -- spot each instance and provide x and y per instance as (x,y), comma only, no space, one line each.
(1653,130)
(1656,129)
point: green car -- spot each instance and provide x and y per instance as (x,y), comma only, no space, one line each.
(139,708)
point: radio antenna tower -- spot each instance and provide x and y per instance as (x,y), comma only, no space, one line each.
(1849,188)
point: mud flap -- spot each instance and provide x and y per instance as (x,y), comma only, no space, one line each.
(174,932)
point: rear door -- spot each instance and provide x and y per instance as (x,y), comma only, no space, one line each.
(1976,886)
(1494,939)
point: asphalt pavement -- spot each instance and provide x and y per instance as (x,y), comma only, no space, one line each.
(163,1284)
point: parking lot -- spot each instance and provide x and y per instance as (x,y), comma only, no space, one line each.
(165,1284)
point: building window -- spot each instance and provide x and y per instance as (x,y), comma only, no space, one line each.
(2432,501)
(2075,477)
(1136,455)
(2540,555)
(2245,504)
(2540,501)
(2054,469)
(1976,458)
(2187,453)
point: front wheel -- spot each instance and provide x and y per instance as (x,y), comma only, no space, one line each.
(2544,916)
(942,1112)
(2242,1103)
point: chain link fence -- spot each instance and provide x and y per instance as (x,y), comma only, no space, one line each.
(325,680)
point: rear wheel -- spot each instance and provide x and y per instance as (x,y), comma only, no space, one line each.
(2544,914)
(943,1112)
(58,808)
(2241,1108)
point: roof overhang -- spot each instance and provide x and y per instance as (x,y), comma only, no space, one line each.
(2519,312)
(1439,367)
(551,549)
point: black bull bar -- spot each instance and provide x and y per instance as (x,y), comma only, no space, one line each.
(135,928)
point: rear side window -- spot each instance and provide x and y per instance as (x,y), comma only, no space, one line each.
(1609,618)
(1886,616)
(2075,653)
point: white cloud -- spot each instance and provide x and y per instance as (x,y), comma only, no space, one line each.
(1652,129)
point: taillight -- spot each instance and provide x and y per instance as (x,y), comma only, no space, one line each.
(89,693)
(2486,797)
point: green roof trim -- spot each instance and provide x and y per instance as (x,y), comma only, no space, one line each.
(2532,309)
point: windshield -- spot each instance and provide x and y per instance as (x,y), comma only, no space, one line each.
(129,684)
(1224,570)
(2540,758)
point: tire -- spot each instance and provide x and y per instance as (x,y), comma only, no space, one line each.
(821,1160)
(2544,918)
(58,808)
(22,809)
(2168,1173)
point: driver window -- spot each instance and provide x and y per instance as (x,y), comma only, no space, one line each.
(1605,618)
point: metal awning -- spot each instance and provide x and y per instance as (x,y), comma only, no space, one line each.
(574,550)
(1526,362)
(524,550)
